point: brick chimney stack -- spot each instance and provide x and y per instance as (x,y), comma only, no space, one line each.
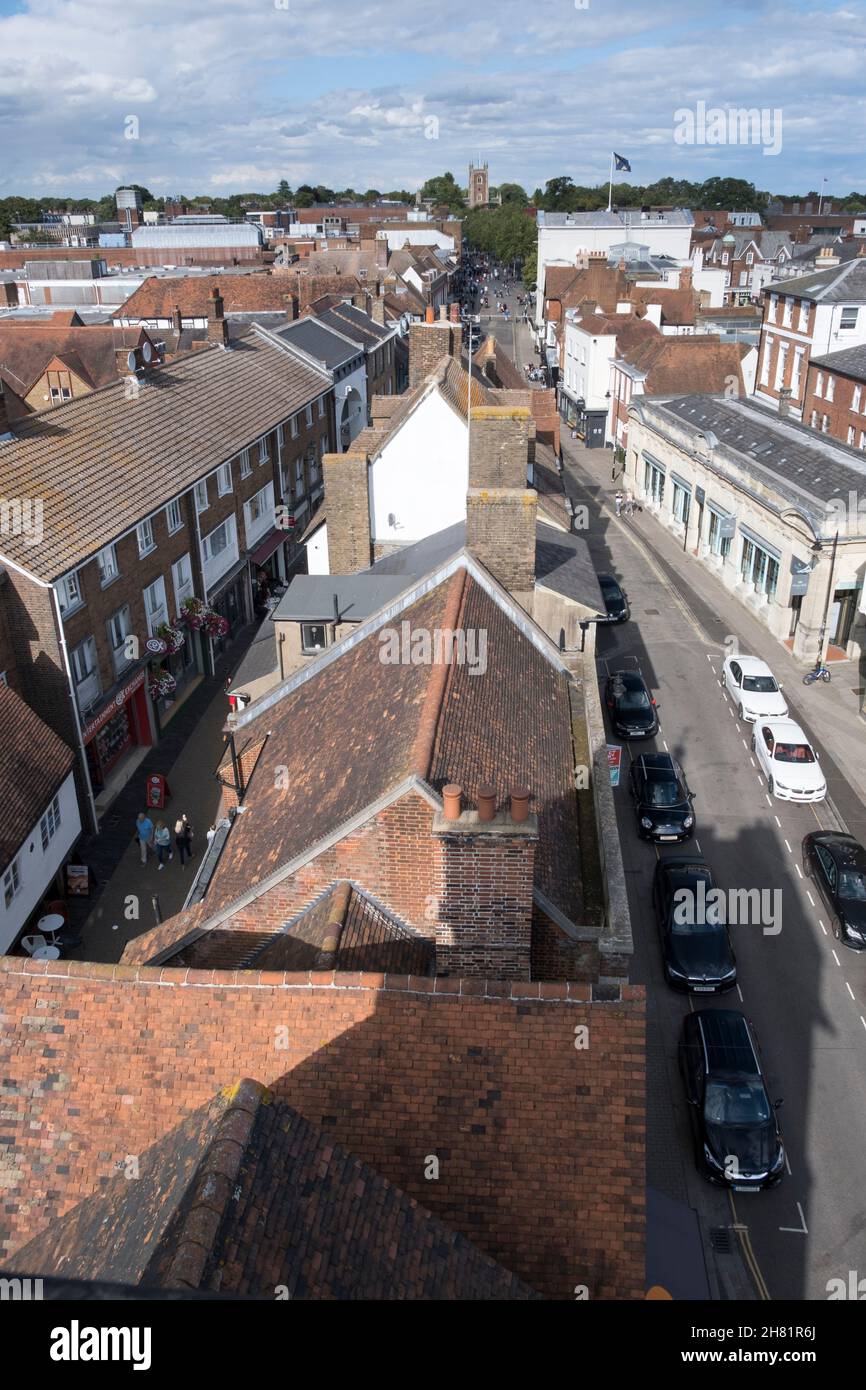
(177,319)
(217,327)
(428,343)
(501,510)
(382,250)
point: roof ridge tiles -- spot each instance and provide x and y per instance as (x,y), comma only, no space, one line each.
(434,697)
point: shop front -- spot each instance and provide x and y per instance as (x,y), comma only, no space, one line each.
(177,664)
(233,602)
(115,733)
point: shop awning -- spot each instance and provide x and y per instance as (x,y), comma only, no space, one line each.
(266,549)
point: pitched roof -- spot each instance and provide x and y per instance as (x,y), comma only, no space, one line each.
(158,296)
(245,1196)
(849,361)
(679,307)
(842,284)
(103,462)
(684,366)
(34,761)
(348,318)
(28,347)
(320,341)
(450,378)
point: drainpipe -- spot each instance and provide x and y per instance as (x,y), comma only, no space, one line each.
(71,684)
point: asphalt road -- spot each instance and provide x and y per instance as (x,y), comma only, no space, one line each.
(805,993)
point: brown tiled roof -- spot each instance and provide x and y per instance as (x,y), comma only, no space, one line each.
(690,365)
(27,349)
(603,284)
(103,462)
(344,929)
(631,332)
(679,307)
(452,380)
(158,295)
(34,761)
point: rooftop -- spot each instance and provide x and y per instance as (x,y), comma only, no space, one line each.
(34,762)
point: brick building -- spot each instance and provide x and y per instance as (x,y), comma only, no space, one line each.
(132,500)
(835,395)
(45,364)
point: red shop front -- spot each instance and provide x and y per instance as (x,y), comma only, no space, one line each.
(113,733)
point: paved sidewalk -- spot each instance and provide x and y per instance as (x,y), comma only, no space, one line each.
(831,712)
(187,755)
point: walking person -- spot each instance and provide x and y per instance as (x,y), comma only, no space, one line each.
(162,840)
(183,839)
(144,834)
(618,502)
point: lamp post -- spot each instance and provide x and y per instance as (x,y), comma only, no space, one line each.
(817,547)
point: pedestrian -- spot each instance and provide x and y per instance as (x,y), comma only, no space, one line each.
(183,839)
(144,834)
(162,840)
(618,501)
(210,834)
(574,434)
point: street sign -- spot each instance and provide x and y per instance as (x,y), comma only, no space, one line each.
(614,760)
(700,496)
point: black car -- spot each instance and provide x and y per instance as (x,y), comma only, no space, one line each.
(662,798)
(631,708)
(696,945)
(837,863)
(615,600)
(737,1138)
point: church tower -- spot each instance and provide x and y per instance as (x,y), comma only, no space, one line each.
(479,189)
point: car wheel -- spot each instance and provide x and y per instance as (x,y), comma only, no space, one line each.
(771,786)
(740,714)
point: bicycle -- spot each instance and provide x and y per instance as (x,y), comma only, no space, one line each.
(818,672)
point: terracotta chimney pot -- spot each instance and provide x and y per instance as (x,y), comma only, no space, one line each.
(452,795)
(486,802)
(429,316)
(519,804)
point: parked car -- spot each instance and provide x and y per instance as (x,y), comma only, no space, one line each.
(755,690)
(837,863)
(662,799)
(632,709)
(615,599)
(738,1143)
(788,761)
(696,945)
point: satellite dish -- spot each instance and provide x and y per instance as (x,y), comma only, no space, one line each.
(131,360)
(146,351)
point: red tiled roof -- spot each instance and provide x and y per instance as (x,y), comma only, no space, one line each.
(27,349)
(699,363)
(158,295)
(34,761)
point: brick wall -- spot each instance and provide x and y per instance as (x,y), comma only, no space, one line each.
(540,1142)
(483,896)
(556,957)
(840,412)
(428,344)
(498,447)
(500,532)
(348,502)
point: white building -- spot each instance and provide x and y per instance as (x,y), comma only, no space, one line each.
(40,815)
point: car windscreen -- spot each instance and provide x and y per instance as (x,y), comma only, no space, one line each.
(793,753)
(663,793)
(736,1103)
(632,699)
(761,685)
(852,884)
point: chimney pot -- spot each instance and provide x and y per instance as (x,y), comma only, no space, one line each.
(486,802)
(429,316)
(452,795)
(443,312)
(519,804)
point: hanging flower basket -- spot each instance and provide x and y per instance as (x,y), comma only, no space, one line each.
(161,684)
(213,625)
(174,637)
(192,613)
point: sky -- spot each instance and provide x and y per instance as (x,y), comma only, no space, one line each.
(221,96)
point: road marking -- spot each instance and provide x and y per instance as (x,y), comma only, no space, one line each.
(730,712)
(746,746)
(799,870)
(809,896)
(863,1020)
(748,1253)
(787,1165)
(698,846)
(738,726)
(778,822)
(790,851)
(740,993)
(849,989)
(769,802)
(802,1230)
(667,750)
(835,957)
(760,780)
(821,925)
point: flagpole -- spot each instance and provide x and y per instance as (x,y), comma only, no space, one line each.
(610,185)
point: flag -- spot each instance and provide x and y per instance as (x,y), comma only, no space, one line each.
(621,163)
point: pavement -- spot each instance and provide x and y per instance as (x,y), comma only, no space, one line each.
(121,905)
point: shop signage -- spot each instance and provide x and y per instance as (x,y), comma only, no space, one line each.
(614,760)
(156,646)
(112,708)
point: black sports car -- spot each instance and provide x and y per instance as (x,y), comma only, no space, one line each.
(837,863)
(696,945)
(615,599)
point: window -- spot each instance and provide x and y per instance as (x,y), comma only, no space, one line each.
(804,315)
(849,316)
(863,439)
(831,388)
(819,384)
(174,516)
(308,412)
(321,404)
(681,504)
(825,423)
(107,563)
(813,419)
(246,466)
(299,474)
(11,882)
(201,497)
(851,434)
(264,453)
(799,354)
(294,426)
(724,258)
(84,659)
(224,479)
(181,576)
(774,299)
(69,593)
(765,364)
(119,626)
(155,605)
(50,823)
(314,637)
(787,313)
(855,399)
(219,540)
(719,544)
(750,256)
(146,543)
(780,365)
(744,277)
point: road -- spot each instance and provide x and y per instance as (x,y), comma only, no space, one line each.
(805,994)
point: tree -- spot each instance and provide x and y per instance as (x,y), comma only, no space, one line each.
(305,196)
(444,192)
(284,192)
(146,195)
(727,194)
(512,193)
(372,195)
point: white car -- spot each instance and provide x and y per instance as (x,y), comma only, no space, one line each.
(755,690)
(788,761)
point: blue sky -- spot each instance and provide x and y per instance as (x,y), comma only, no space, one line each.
(233,95)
